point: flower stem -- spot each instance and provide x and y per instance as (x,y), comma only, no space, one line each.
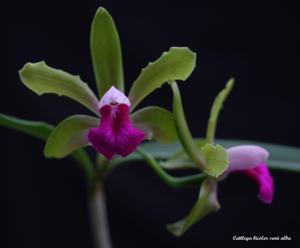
(99,218)
(175,182)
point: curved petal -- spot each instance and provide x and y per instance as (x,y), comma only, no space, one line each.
(246,157)
(176,64)
(261,175)
(215,111)
(43,79)
(69,135)
(115,135)
(158,123)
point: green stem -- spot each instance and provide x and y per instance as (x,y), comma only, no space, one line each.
(99,217)
(175,182)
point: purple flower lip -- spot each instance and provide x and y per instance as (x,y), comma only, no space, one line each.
(250,160)
(115,134)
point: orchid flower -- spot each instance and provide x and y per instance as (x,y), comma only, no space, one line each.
(246,159)
(114,130)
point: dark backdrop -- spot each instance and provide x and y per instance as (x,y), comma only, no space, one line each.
(43,202)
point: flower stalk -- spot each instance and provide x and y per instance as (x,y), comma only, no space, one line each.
(99,217)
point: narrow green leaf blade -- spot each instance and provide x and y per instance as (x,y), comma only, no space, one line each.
(42,79)
(207,202)
(69,135)
(106,52)
(42,131)
(157,122)
(215,111)
(176,64)
(37,129)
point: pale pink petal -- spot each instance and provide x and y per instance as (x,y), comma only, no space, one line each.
(113,97)
(246,157)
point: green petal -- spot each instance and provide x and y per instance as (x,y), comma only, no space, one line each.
(106,52)
(215,110)
(183,131)
(176,64)
(69,135)
(157,122)
(207,202)
(216,159)
(42,79)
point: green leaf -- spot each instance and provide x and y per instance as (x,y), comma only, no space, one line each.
(215,110)
(207,202)
(37,129)
(42,131)
(282,157)
(176,64)
(43,79)
(157,122)
(216,158)
(69,135)
(106,52)
(183,131)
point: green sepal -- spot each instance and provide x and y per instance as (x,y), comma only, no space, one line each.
(106,52)
(158,124)
(176,64)
(42,79)
(69,135)
(206,203)
(215,111)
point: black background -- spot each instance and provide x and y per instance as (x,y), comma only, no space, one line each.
(44,201)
